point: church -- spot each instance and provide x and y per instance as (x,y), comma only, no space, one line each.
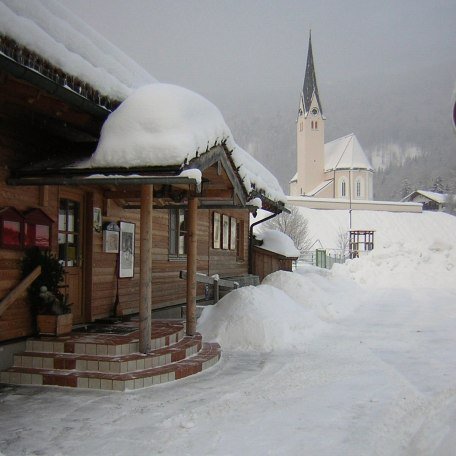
(338,169)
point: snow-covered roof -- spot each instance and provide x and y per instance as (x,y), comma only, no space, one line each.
(48,29)
(163,125)
(345,153)
(434,196)
(278,242)
(319,187)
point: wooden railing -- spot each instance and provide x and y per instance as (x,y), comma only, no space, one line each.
(215,281)
(18,290)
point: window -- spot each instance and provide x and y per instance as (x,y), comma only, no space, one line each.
(358,188)
(312,124)
(316,125)
(343,188)
(178,232)
(69,233)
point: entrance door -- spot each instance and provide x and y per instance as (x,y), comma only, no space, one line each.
(70,254)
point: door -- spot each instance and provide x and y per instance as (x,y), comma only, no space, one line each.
(70,254)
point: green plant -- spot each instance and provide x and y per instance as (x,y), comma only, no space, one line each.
(44,294)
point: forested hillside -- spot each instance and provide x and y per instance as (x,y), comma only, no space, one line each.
(403,122)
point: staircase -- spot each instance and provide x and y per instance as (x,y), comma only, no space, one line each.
(112,361)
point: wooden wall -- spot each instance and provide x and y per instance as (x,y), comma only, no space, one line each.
(167,288)
(265,262)
(16,321)
(99,268)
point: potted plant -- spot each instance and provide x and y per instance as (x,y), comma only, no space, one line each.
(49,305)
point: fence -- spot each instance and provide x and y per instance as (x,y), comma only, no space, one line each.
(323,258)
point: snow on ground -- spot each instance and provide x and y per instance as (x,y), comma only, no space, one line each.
(366,366)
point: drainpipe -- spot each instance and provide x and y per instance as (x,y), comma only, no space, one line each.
(251,238)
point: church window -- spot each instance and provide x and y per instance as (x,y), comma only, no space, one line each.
(312,124)
(316,125)
(358,188)
(343,188)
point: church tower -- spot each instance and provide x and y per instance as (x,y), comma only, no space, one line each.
(310,135)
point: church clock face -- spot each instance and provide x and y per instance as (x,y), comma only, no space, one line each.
(314,111)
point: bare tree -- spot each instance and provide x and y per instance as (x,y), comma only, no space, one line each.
(343,240)
(294,225)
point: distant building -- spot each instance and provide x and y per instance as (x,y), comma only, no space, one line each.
(338,169)
(431,201)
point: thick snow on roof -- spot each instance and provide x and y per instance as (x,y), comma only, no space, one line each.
(278,242)
(345,153)
(51,31)
(167,125)
(437,197)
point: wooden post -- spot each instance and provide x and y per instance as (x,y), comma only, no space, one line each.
(191,265)
(216,291)
(145,303)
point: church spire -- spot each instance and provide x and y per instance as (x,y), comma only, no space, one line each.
(310,81)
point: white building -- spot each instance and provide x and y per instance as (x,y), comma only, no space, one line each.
(336,169)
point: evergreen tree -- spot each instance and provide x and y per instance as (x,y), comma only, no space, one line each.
(438,185)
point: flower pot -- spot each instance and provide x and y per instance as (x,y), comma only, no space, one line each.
(54,325)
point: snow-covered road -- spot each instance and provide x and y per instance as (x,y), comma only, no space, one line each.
(379,381)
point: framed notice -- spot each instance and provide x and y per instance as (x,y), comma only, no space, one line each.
(127,249)
(216,230)
(226,232)
(232,233)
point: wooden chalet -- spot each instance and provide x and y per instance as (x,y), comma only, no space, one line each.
(167,221)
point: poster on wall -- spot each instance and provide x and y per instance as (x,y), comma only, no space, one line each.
(225,232)
(127,249)
(216,231)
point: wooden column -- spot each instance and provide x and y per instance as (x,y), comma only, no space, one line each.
(191,265)
(145,303)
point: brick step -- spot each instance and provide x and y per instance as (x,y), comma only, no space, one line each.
(164,334)
(185,347)
(208,355)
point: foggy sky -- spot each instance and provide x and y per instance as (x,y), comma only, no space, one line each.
(232,50)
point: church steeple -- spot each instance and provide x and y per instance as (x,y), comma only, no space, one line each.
(310,82)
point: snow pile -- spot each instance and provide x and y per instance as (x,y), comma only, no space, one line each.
(167,125)
(399,265)
(278,242)
(328,296)
(53,32)
(261,318)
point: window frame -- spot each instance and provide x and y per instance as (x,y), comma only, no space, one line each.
(175,238)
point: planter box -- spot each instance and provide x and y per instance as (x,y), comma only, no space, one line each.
(54,325)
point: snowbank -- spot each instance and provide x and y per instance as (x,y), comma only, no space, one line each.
(55,33)
(416,230)
(431,264)
(327,295)
(261,318)
(278,242)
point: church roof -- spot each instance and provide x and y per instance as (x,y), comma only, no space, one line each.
(346,153)
(310,82)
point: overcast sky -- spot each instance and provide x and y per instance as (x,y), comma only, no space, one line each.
(232,49)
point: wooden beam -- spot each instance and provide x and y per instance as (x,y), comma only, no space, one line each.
(17,291)
(191,265)
(145,302)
